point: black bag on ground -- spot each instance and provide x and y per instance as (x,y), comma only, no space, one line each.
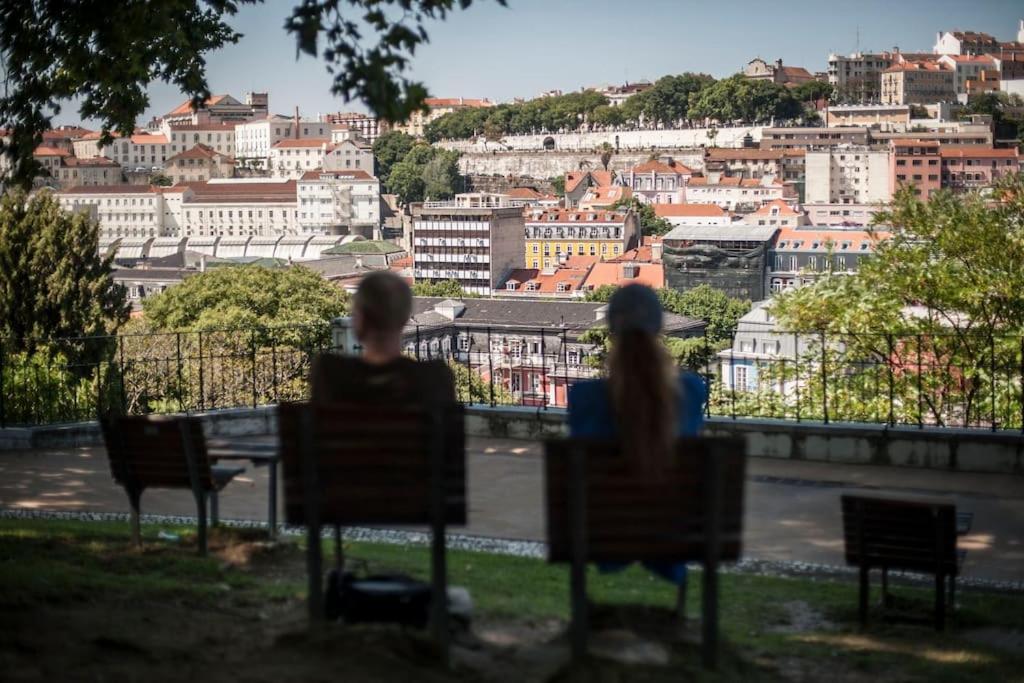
(380,598)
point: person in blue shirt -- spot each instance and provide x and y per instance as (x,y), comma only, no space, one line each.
(646,402)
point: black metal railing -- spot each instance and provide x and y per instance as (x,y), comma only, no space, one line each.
(945,380)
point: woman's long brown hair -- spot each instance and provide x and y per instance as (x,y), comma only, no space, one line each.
(644,393)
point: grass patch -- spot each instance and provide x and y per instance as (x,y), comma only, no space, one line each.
(775,628)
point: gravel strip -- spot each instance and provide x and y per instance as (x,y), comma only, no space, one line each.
(516,548)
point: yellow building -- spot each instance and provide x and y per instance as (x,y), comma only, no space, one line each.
(554,235)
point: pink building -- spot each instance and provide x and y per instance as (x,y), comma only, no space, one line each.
(915,163)
(967,167)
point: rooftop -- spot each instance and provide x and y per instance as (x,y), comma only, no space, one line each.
(687,210)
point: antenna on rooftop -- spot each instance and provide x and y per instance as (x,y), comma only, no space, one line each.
(858,39)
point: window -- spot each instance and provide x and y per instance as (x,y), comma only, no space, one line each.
(464,343)
(740,378)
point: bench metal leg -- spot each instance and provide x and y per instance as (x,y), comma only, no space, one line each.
(865,589)
(272,500)
(709,615)
(214,508)
(201,510)
(940,601)
(952,596)
(134,498)
(315,574)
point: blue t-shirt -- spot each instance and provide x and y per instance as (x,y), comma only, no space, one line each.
(590,408)
(590,415)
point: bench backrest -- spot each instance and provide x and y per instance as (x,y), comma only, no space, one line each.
(631,515)
(152,452)
(371,464)
(903,534)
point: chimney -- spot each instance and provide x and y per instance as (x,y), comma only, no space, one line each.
(657,249)
(296,122)
(202,263)
(778,63)
(359,262)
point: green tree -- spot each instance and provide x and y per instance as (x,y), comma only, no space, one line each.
(668,101)
(406,181)
(160,180)
(938,308)
(441,175)
(53,282)
(388,150)
(812,91)
(650,222)
(739,98)
(447,289)
(719,311)
(606,154)
(296,301)
(558,185)
(56,51)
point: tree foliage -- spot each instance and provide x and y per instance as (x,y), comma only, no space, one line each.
(447,289)
(739,98)
(53,283)
(425,172)
(650,222)
(56,51)
(388,150)
(295,300)
(667,102)
(550,114)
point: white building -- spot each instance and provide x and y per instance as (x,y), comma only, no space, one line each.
(121,210)
(743,195)
(219,137)
(777,214)
(292,158)
(478,248)
(232,208)
(692,214)
(847,175)
(348,152)
(254,139)
(139,151)
(969,68)
(338,202)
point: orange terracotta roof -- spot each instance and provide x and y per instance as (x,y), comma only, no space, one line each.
(238,192)
(186,106)
(65,133)
(576,216)
(796,71)
(111,189)
(783,208)
(788,238)
(971,59)
(732,181)
(457,102)
(523,193)
(570,275)
(724,154)
(910,142)
(347,174)
(402,262)
(606,195)
(303,142)
(44,151)
(917,66)
(687,210)
(655,166)
(611,273)
(976,151)
(202,126)
(148,139)
(199,151)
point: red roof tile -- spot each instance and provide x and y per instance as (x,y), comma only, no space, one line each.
(655,166)
(673,210)
(303,142)
(611,273)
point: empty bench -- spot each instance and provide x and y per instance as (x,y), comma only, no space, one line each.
(354,464)
(913,533)
(164,452)
(600,509)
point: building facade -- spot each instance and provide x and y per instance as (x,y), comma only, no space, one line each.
(971,167)
(436,108)
(732,259)
(775,72)
(799,256)
(198,164)
(121,210)
(254,139)
(554,235)
(475,247)
(339,202)
(918,83)
(848,175)
(915,163)
(658,181)
(732,193)
(365,126)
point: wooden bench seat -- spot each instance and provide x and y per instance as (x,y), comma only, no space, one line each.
(164,452)
(600,509)
(910,533)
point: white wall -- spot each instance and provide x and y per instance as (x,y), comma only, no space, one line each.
(627,139)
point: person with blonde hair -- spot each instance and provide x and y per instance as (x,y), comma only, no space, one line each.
(646,402)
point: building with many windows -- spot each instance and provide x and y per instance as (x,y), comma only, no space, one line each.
(970,167)
(918,83)
(339,202)
(733,193)
(798,256)
(255,139)
(476,247)
(365,126)
(554,235)
(848,174)
(198,164)
(659,181)
(916,163)
(121,210)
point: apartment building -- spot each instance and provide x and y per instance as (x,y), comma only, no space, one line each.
(73,172)
(477,247)
(349,152)
(143,151)
(692,214)
(658,181)
(220,109)
(778,214)
(121,210)
(367,127)
(755,163)
(436,108)
(291,158)
(916,163)
(879,115)
(732,193)
(255,139)
(969,70)
(966,168)
(791,138)
(231,208)
(857,77)
(339,202)
(799,256)
(182,137)
(198,164)
(848,174)
(776,72)
(554,235)
(918,83)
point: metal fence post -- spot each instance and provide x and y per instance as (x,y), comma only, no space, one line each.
(273,362)
(796,371)
(3,388)
(892,387)
(490,363)
(824,379)
(121,373)
(1021,384)
(707,373)
(252,351)
(543,370)
(181,383)
(992,379)
(920,387)
(202,378)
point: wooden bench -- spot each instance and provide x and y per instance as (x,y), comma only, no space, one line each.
(352,464)
(908,533)
(599,509)
(164,452)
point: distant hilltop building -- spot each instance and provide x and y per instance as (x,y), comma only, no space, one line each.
(220,109)
(977,43)
(436,108)
(759,70)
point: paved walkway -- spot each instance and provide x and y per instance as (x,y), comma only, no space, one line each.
(792,508)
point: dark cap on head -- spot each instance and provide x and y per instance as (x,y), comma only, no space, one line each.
(634,308)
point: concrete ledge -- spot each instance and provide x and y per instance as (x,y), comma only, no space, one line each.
(856,444)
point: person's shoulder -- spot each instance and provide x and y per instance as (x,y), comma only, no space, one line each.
(586,390)
(692,383)
(435,376)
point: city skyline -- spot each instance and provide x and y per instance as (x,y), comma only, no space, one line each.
(565,56)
